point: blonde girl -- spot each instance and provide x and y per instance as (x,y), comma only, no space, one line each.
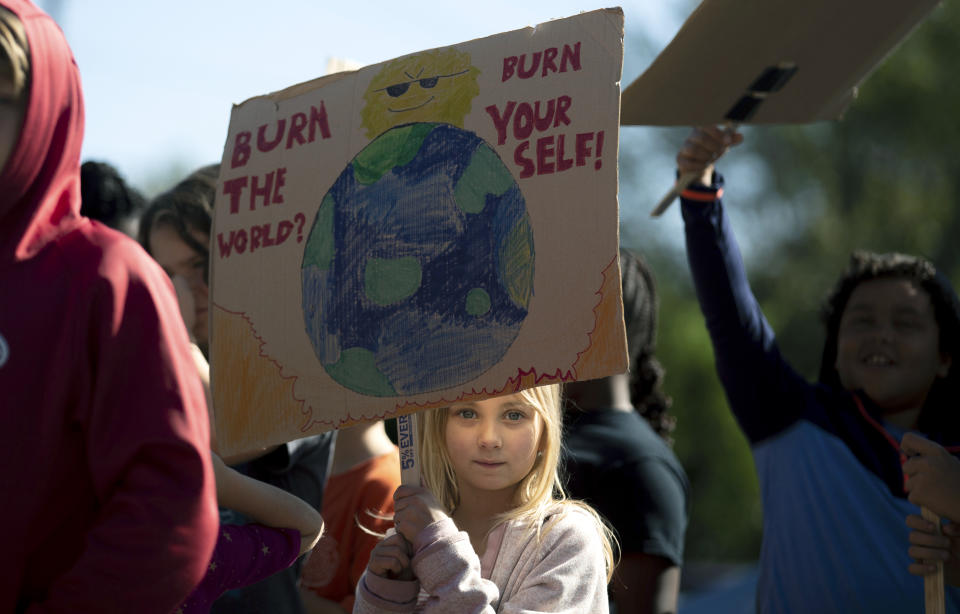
(491,530)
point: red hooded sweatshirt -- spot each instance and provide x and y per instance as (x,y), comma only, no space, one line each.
(107,495)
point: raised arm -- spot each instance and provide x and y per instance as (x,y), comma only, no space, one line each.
(764,391)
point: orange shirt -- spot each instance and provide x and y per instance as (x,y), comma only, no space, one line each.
(338,560)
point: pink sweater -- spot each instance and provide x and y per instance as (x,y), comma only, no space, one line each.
(565,572)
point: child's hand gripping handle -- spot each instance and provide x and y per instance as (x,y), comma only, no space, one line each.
(933,596)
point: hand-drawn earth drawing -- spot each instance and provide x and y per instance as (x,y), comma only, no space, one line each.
(418,271)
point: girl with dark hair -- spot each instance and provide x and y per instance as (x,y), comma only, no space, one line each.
(619,458)
(175,230)
(641,307)
(828,453)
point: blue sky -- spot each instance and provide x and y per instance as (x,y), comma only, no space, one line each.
(159,78)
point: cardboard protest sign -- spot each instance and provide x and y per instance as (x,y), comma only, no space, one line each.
(436,227)
(768,61)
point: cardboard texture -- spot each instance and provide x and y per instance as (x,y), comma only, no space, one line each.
(437,227)
(721,53)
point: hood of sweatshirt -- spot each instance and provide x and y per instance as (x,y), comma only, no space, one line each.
(40,183)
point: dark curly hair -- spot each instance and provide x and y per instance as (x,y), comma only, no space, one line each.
(940,414)
(107,198)
(640,307)
(186,207)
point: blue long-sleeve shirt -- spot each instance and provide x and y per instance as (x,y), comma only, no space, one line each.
(831,483)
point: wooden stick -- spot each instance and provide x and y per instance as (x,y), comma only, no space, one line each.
(685,179)
(683,182)
(933,597)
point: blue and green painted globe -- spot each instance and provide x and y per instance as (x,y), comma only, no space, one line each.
(418,270)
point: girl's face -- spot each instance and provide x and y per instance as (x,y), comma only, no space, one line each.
(178,258)
(493,443)
(888,344)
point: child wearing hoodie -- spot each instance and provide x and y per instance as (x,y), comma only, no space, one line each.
(107,484)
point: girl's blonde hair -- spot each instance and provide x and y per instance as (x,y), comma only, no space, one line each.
(13,50)
(537,492)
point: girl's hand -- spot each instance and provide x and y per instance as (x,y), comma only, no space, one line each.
(927,548)
(414,509)
(933,476)
(390,558)
(702,148)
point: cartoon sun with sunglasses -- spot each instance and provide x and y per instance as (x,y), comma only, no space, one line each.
(434,86)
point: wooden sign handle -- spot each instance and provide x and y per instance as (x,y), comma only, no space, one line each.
(685,179)
(682,184)
(933,597)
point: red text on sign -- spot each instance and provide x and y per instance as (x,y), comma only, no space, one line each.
(544,62)
(542,116)
(270,135)
(552,153)
(265,189)
(259,236)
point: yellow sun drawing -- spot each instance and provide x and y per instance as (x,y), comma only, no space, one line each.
(433,86)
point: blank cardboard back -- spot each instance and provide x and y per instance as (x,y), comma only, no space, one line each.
(725,45)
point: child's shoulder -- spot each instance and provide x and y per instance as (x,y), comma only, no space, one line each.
(569,532)
(572,520)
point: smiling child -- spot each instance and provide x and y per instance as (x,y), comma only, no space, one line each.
(827,453)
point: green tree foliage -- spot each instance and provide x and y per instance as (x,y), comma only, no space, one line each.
(885,178)
(725,515)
